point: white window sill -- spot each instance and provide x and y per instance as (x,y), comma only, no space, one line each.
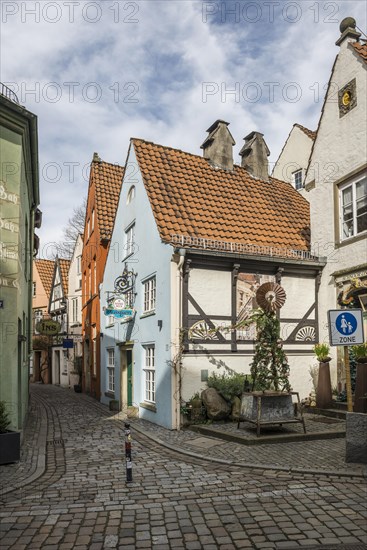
(147,314)
(149,406)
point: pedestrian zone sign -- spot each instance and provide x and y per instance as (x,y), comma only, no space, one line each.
(345,327)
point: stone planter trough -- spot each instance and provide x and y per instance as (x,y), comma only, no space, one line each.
(269,407)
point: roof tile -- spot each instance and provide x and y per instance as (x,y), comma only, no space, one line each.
(217,204)
(107,179)
(45,270)
(361,49)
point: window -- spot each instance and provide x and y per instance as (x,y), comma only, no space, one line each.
(90,281)
(34,289)
(149,374)
(75,310)
(149,295)
(129,298)
(88,229)
(94,339)
(92,221)
(130,237)
(111,370)
(110,320)
(38,315)
(353,208)
(79,265)
(95,277)
(85,286)
(131,194)
(297,179)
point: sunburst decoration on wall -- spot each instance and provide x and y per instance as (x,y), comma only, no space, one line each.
(270,297)
(306,334)
(202,330)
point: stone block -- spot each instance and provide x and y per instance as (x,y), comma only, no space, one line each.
(356,438)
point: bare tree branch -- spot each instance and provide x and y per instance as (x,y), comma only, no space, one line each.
(72,229)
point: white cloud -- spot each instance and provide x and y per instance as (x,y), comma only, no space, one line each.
(163,60)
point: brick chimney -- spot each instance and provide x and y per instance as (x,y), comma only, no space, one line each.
(218,145)
(348,31)
(254,155)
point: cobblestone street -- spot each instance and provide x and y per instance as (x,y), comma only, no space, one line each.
(69,489)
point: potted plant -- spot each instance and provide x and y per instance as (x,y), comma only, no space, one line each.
(360,355)
(9,440)
(323,391)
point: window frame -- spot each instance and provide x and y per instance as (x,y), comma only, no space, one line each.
(110,369)
(130,240)
(297,172)
(131,194)
(75,309)
(341,188)
(149,374)
(150,294)
(94,350)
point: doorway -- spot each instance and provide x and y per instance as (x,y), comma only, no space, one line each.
(86,367)
(126,377)
(57,368)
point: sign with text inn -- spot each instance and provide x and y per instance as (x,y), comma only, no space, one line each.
(48,327)
(345,327)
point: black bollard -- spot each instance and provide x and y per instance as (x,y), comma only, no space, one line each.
(129,464)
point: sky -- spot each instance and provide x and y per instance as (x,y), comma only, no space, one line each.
(97,73)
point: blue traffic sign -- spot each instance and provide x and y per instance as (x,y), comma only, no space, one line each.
(346,324)
(345,327)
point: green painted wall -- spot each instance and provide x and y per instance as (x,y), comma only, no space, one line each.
(16,248)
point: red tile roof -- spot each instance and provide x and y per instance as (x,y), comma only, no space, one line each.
(45,270)
(310,133)
(361,49)
(189,197)
(107,179)
(64,269)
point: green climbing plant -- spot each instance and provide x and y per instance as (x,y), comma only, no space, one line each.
(269,367)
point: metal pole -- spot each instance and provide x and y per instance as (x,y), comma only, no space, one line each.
(347,379)
(129,464)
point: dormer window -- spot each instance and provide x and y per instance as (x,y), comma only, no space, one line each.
(130,195)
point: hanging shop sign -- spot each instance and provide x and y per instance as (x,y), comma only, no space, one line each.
(118,304)
(119,313)
(48,327)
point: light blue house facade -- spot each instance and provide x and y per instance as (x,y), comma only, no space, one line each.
(194,238)
(136,352)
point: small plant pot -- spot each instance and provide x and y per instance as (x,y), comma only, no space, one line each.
(324,394)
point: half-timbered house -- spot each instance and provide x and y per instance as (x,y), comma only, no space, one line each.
(193,238)
(57,310)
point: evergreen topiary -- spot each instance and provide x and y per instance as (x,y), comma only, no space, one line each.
(269,368)
(4,418)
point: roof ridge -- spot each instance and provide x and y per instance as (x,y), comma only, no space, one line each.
(306,130)
(109,163)
(237,166)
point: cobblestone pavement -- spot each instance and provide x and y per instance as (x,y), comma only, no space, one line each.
(69,490)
